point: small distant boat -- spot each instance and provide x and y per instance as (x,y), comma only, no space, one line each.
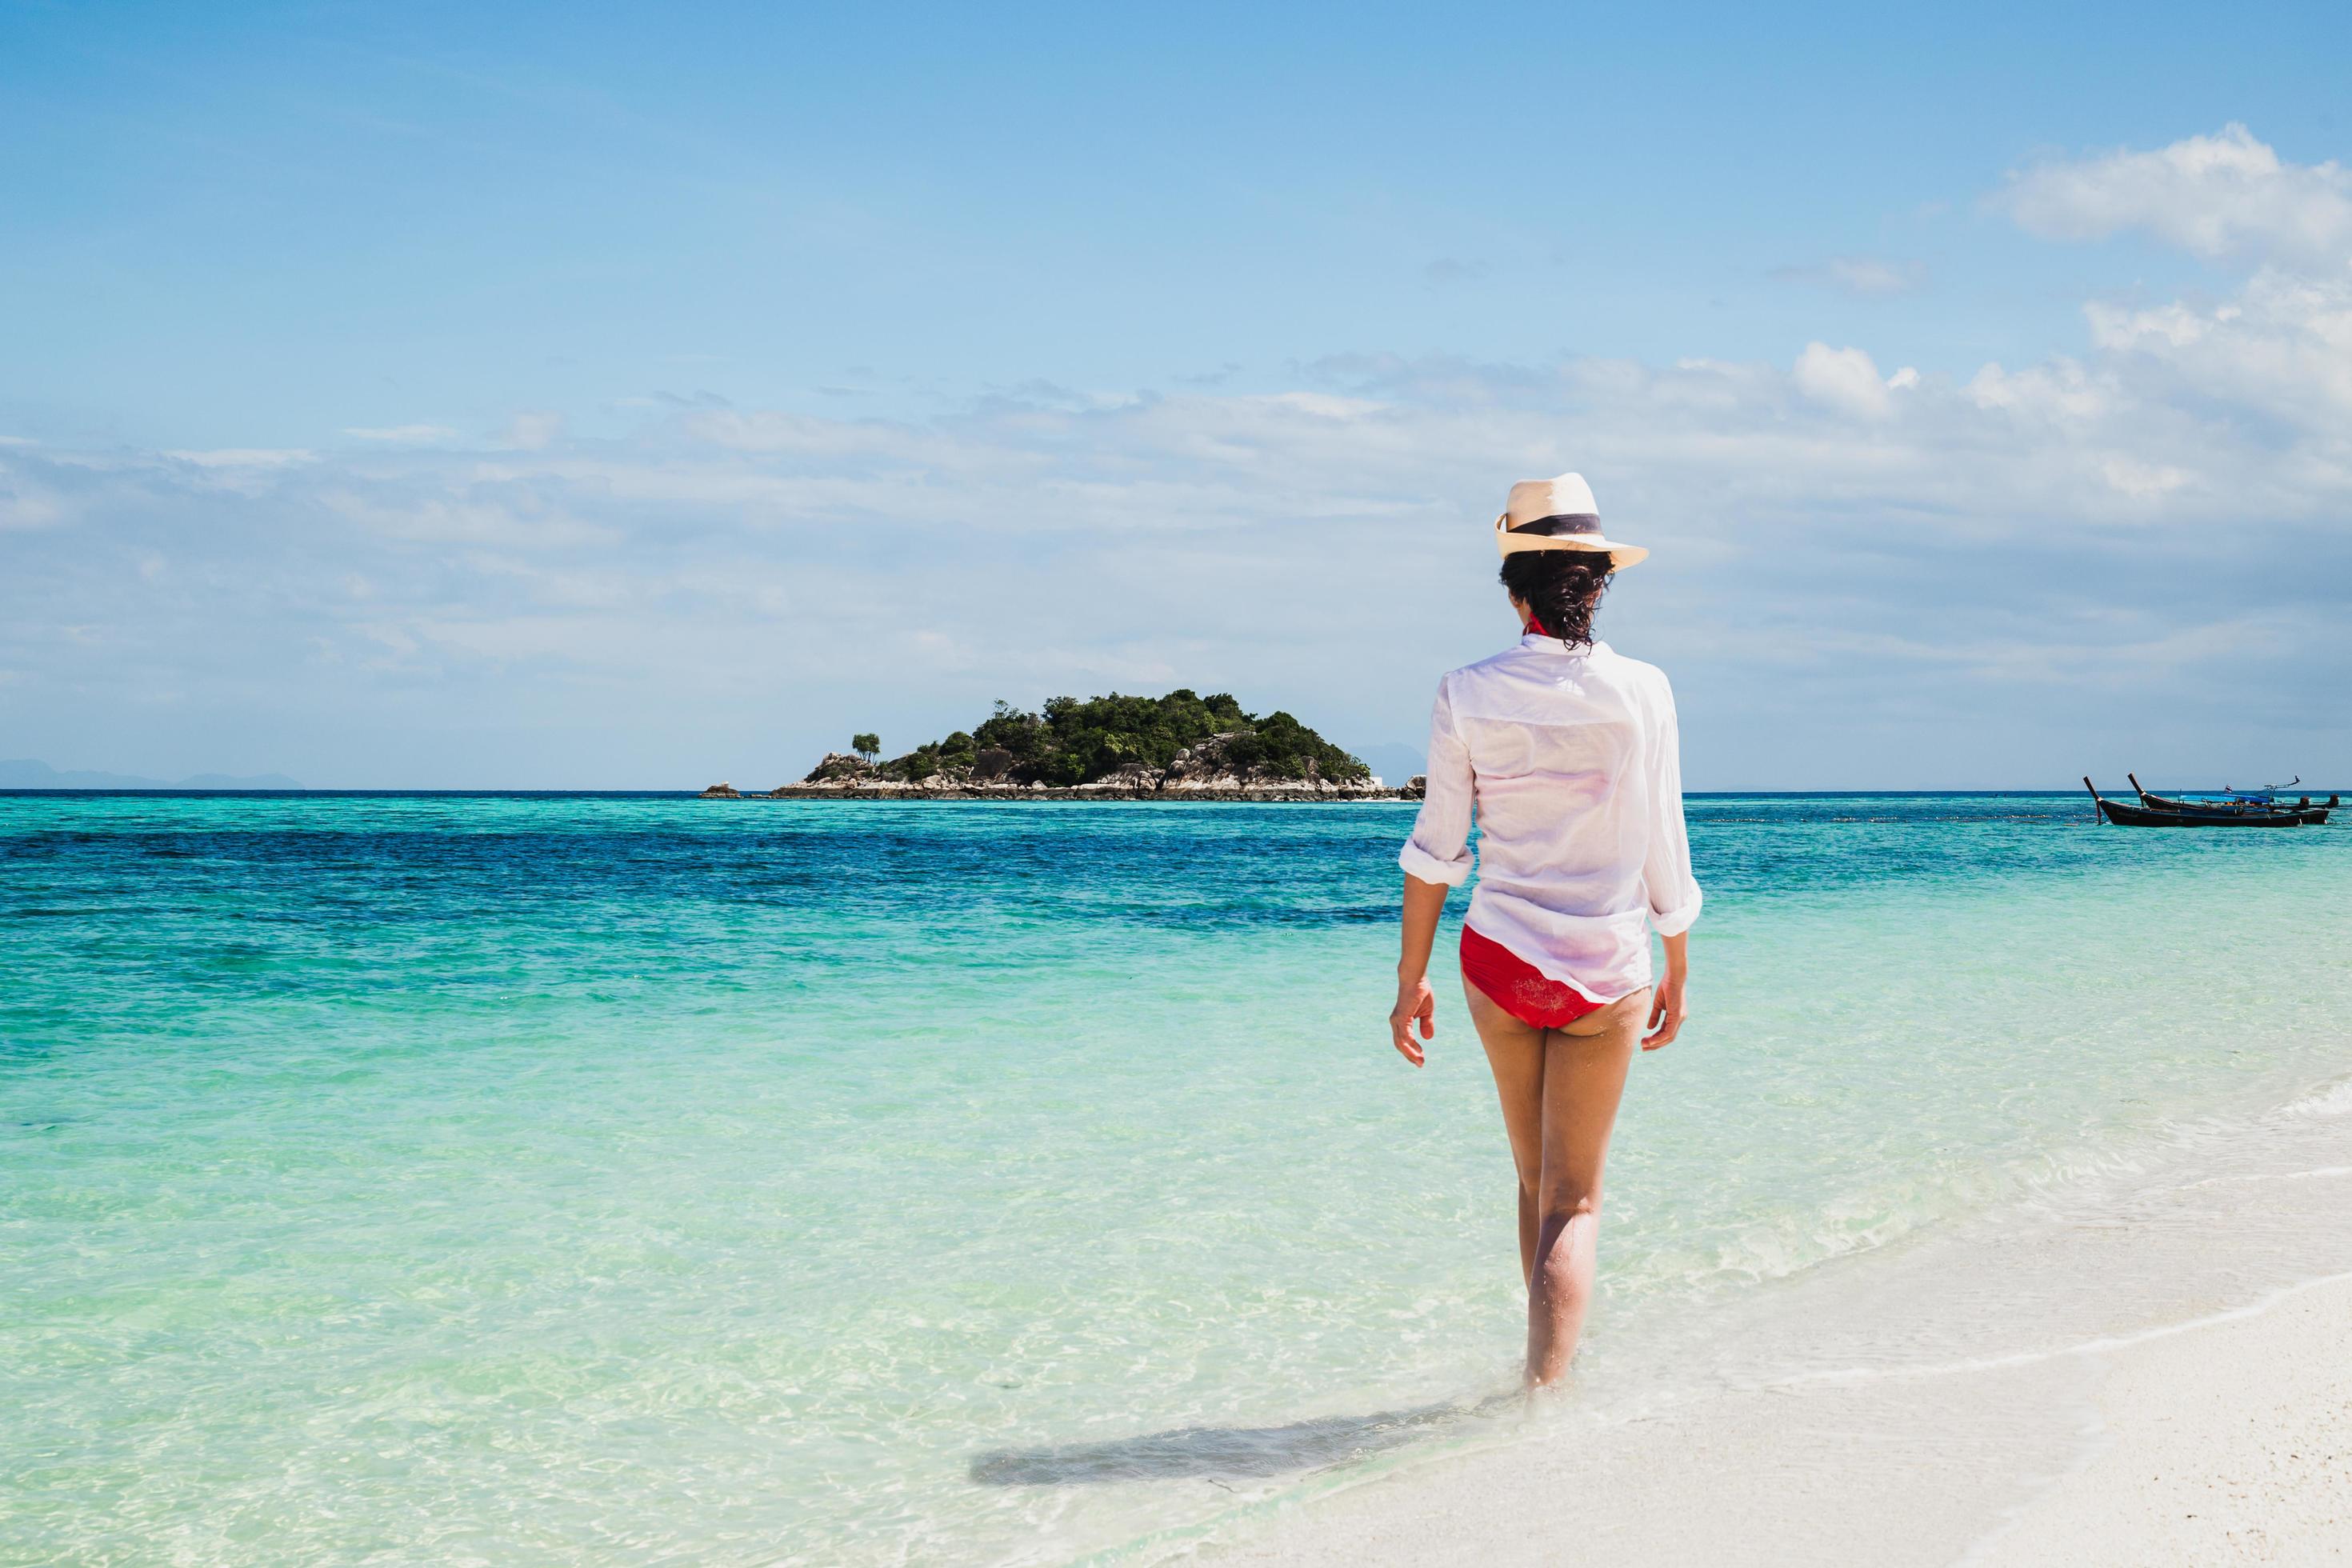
(2181,811)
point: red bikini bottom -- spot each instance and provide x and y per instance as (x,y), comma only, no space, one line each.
(1518,987)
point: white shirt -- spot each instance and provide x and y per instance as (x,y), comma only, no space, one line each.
(1572,762)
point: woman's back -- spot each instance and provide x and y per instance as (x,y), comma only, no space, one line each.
(1568,756)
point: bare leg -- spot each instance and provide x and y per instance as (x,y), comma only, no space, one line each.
(1559,1091)
(1516,1053)
(1584,1078)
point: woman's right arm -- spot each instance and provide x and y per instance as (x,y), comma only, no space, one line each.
(1415,1003)
(1436,860)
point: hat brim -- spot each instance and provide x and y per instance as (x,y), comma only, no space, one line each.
(1620,555)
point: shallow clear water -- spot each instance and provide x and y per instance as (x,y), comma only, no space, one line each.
(637,1180)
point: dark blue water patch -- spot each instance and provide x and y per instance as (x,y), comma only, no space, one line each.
(1215,915)
(357,897)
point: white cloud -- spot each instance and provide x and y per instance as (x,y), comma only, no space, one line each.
(246,457)
(2060,396)
(404,435)
(2221,195)
(1865,275)
(2282,345)
(22,505)
(1848,380)
(2141,480)
(463,514)
(771,430)
(2273,360)
(533,431)
(1868,275)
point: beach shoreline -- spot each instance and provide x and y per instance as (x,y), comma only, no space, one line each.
(2219,1439)
(2146,1377)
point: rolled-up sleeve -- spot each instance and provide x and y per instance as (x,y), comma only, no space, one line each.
(1439,849)
(1674,898)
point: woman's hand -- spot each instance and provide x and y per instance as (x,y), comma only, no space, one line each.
(1667,1012)
(1423,902)
(1414,1000)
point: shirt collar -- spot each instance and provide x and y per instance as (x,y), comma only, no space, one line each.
(1543,644)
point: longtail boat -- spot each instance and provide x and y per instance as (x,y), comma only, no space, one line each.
(2172,811)
(2264,799)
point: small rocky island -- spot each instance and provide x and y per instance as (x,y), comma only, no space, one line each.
(1177,747)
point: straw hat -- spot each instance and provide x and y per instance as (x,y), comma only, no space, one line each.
(1558,514)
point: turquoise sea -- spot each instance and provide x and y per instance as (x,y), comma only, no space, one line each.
(642,1180)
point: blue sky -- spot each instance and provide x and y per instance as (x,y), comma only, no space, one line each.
(555,397)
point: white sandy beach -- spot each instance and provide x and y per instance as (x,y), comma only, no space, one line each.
(2168,1381)
(2227,1442)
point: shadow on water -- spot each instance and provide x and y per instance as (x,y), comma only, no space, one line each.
(1216,1453)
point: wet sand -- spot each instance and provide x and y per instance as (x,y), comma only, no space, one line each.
(2225,1440)
(2155,1368)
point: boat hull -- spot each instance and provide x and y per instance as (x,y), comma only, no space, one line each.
(2127,816)
(2258,801)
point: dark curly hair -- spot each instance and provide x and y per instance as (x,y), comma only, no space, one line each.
(1563,587)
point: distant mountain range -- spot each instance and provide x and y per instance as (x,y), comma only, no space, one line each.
(26,774)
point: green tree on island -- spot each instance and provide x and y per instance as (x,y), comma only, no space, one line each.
(867,745)
(1072,742)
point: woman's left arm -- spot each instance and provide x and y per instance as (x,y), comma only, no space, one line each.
(1668,1010)
(1673,892)
(1674,897)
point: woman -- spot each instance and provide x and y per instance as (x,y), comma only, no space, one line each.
(1568,751)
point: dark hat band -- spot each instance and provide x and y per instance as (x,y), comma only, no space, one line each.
(1561,523)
